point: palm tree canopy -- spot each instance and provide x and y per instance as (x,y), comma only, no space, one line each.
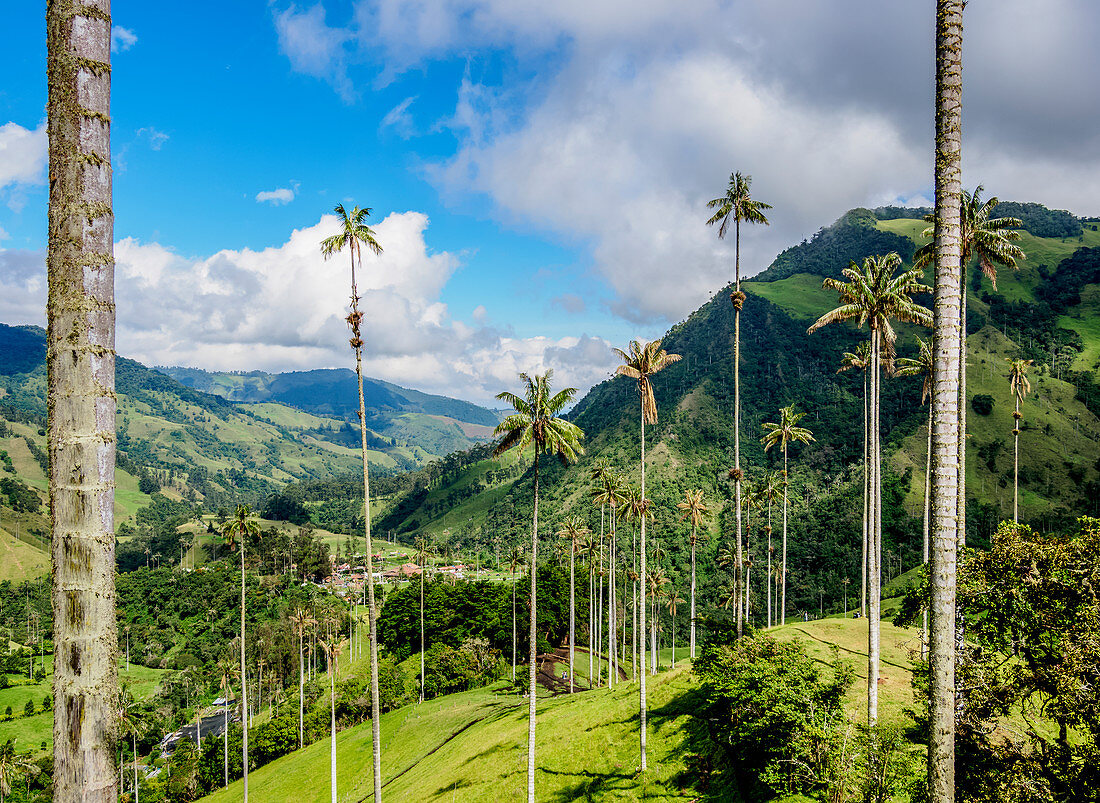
(920,366)
(693,507)
(737,204)
(787,430)
(859,360)
(1017,378)
(353,231)
(573,528)
(535,420)
(990,239)
(874,295)
(241,525)
(771,488)
(640,363)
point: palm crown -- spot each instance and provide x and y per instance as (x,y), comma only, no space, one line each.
(353,233)
(535,420)
(241,526)
(787,430)
(859,360)
(991,239)
(737,205)
(693,507)
(874,295)
(920,366)
(1017,378)
(640,363)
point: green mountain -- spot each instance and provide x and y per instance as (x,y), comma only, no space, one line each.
(194,445)
(1047,311)
(436,424)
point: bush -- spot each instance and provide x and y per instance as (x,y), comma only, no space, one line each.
(28,709)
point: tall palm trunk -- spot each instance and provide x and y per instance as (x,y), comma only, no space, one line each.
(591,616)
(372,614)
(783,563)
(611,605)
(301,693)
(771,621)
(642,582)
(1016,463)
(946,433)
(422,570)
(332,727)
(572,611)
(514,635)
(225,735)
(80,367)
(135,770)
(245,718)
(874,538)
(691,640)
(737,413)
(533,668)
(926,513)
(866,489)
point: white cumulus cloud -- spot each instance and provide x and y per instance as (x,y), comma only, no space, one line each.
(23,154)
(122,39)
(276,197)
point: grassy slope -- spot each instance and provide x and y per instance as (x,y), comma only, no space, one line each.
(472,746)
(18,559)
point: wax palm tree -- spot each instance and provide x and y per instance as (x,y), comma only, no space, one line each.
(860,360)
(353,235)
(991,241)
(131,721)
(224,686)
(876,293)
(238,529)
(535,423)
(693,509)
(672,600)
(750,501)
(423,553)
(12,766)
(657,581)
(640,363)
(574,530)
(785,433)
(921,366)
(609,493)
(738,205)
(949,477)
(1020,386)
(300,620)
(635,508)
(332,650)
(80,372)
(591,551)
(771,491)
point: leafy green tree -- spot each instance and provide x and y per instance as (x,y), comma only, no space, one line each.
(238,529)
(424,553)
(860,360)
(132,720)
(354,234)
(301,620)
(737,204)
(535,423)
(874,294)
(641,362)
(12,766)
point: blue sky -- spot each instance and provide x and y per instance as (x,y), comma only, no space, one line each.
(538,171)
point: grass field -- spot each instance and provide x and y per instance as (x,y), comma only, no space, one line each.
(472,746)
(19,560)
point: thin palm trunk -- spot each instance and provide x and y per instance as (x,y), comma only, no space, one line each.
(599,619)
(1016,463)
(946,431)
(591,624)
(80,367)
(927,512)
(244,685)
(737,415)
(225,735)
(332,727)
(301,693)
(783,559)
(514,634)
(874,542)
(533,669)
(135,769)
(641,547)
(771,620)
(611,605)
(691,640)
(866,489)
(572,611)
(422,570)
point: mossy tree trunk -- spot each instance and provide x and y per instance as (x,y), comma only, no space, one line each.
(81,399)
(947,477)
